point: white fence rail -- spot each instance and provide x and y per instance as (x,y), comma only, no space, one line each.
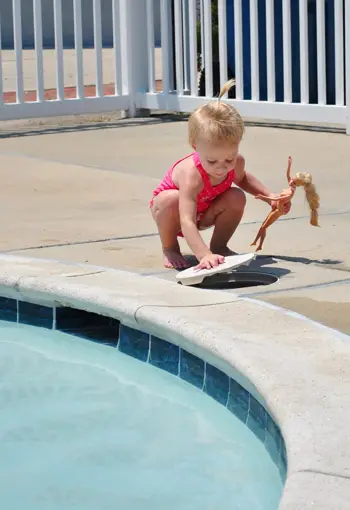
(290,59)
(18,101)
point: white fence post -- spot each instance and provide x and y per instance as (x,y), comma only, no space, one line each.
(347,64)
(133,37)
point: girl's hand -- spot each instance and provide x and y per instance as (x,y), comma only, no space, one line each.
(276,201)
(210,260)
(283,204)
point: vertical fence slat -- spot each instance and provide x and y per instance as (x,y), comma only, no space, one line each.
(179,61)
(57,5)
(304,50)
(98,47)
(164,14)
(17,32)
(287,51)
(208,49)
(254,49)
(186,38)
(150,47)
(193,46)
(270,50)
(116,48)
(339,51)
(321,51)
(347,63)
(1,77)
(202,24)
(38,36)
(171,56)
(238,49)
(222,41)
(78,36)
(127,86)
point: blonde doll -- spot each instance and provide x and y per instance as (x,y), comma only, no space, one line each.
(312,197)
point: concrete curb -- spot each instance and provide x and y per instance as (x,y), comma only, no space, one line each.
(298,369)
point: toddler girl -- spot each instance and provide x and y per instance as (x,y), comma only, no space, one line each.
(197,192)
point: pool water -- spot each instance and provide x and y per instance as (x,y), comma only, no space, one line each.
(85,427)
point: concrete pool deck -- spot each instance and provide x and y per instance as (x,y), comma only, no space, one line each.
(78,190)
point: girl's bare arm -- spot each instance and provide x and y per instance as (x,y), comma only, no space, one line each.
(249,183)
(190,184)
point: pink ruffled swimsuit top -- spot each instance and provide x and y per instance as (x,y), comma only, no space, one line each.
(208,194)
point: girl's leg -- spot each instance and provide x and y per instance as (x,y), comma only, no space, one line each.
(225,214)
(165,211)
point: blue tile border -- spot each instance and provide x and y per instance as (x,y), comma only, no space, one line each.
(238,401)
(8,309)
(91,326)
(217,384)
(164,355)
(35,315)
(192,369)
(135,343)
(257,419)
(160,354)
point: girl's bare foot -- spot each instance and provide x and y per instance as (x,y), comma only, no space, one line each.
(224,251)
(173,259)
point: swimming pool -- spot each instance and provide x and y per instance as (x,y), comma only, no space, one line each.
(268,366)
(91,425)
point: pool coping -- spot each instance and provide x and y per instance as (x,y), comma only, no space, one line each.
(274,349)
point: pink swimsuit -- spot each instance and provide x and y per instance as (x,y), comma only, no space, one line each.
(208,194)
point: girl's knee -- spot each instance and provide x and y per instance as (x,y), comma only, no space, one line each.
(236,198)
(166,201)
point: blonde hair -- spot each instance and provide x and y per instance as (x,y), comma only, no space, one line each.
(216,121)
(312,197)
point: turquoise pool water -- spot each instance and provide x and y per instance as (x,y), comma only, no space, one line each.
(85,427)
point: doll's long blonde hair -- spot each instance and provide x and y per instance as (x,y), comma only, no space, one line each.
(304,179)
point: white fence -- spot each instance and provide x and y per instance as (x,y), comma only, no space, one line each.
(290,58)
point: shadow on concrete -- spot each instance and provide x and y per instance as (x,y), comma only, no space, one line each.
(298,127)
(88,124)
(305,260)
(261,261)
